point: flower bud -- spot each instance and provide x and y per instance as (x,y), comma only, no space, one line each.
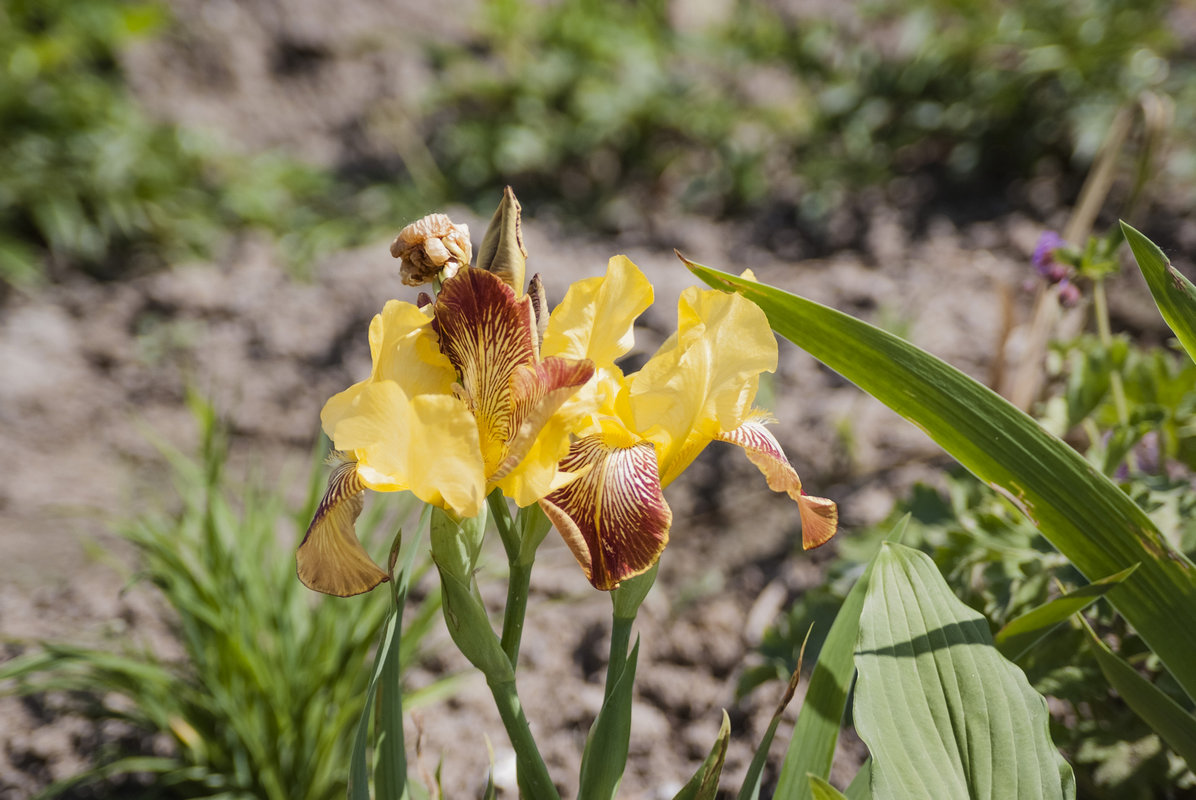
(431,247)
(1044,260)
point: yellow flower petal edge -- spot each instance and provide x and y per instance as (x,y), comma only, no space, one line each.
(819,516)
(427,444)
(331,559)
(596,318)
(704,378)
(614,517)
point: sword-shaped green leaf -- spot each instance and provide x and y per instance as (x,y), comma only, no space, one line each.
(1024,631)
(1166,717)
(1082,513)
(1173,293)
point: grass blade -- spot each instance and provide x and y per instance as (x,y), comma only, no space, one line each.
(704,783)
(1081,512)
(812,748)
(1173,293)
(1021,633)
(820,789)
(1166,717)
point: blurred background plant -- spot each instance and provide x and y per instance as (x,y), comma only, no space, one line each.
(89,182)
(606,111)
(270,681)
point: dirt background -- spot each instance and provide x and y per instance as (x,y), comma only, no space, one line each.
(87,368)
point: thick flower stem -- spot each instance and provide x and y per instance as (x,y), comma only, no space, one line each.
(534,782)
(518,583)
(620,639)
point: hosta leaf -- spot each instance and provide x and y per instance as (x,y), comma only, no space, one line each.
(944,715)
(1173,293)
(1082,513)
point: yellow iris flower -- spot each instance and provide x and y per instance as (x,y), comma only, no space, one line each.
(459,401)
(480,389)
(639,432)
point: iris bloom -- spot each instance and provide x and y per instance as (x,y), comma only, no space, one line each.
(640,431)
(459,401)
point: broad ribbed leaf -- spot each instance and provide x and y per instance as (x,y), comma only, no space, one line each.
(1165,716)
(812,748)
(1173,293)
(1021,633)
(944,715)
(860,787)
(1079,510)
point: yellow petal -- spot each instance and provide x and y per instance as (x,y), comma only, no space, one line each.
(596,318)
(331,559)
(404,349)
(427,444)
(819,516)
(613,517)
(704,377)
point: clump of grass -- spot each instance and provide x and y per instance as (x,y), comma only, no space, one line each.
(272,679)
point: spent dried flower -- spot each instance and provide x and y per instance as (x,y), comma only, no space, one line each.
(432,247)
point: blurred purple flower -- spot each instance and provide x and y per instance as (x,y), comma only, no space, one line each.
(1044,257)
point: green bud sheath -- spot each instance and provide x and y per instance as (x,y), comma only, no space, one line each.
(502,249)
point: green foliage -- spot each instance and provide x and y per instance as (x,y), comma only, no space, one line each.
(272,678)
(587,99)
(88,181)
(998,563)
(942,712)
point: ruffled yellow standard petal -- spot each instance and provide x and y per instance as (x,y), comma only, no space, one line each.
(819,516)
(427,444)
(704,377)
(614,516)
(595,319)
(491,339)
(331,559)
(404,350)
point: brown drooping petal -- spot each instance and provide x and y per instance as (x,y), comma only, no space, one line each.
(614,517)
(331,559)
(819,516)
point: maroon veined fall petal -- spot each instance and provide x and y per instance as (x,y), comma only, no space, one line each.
(330,558)
(819,516)
(614,517)
(537,391)
(487,334)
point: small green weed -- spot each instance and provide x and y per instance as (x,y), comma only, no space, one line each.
(272,678)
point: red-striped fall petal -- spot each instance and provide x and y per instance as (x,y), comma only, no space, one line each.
(614,517)
(487,334)
(330,558)
(819,516)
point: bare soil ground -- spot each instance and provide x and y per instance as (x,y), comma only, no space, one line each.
(88,368)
